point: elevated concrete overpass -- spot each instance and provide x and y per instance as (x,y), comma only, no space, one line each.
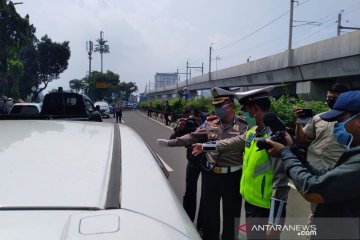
(309,69)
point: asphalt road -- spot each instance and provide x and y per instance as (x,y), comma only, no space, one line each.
(150,130)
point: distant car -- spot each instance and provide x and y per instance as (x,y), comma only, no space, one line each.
(130,105)
(104,108)
(70,105)
(78,180)
(26,108)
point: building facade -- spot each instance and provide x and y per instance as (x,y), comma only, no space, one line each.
(163,80)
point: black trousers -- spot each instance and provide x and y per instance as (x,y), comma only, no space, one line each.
(193,170)
(258,216)
(216,187)
(118,116)
(167,121)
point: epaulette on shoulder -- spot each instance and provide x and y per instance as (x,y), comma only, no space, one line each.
(211,118)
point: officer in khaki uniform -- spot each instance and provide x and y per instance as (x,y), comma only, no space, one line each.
(264,182)
(221,171)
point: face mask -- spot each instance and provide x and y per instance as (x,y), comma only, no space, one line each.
(251,121)
(331,102)
(340,133)
(221,112)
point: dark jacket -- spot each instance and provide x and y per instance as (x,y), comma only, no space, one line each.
(339,187)
(190,126)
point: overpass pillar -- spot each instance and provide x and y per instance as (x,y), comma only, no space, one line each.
(313,90)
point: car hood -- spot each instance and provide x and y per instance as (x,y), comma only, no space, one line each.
(75,225)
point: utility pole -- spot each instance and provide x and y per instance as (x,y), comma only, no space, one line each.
(210,51)
(187,67)
(339,27)
(291,24)
(179,73)
(89,49)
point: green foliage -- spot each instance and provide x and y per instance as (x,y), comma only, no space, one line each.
(77,85)
(157,105)
(16,34)
(112,80)
(52,59)
(284,106)
(15,72)
(317,107)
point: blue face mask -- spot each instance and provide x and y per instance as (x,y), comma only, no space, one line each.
(221,112)
(340,133)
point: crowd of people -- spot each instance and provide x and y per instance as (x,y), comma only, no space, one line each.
(6,103)
(168,113)
(225,150)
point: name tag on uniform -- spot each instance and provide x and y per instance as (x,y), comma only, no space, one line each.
(249,139)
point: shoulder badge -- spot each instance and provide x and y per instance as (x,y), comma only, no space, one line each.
(249,139)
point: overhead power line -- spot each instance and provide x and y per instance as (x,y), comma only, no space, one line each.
(252,33)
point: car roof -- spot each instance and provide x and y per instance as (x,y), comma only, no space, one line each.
(25,108)
(27,104)
(101,103)
(63,159)
(78,178)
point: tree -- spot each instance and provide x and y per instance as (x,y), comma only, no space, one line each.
(15,70)
(52,59)
(101,47)
(110,79)
(77,85)
(28,57)
(16,33)
(128,89)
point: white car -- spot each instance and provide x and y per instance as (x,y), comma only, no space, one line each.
(74,180)
(104,108)
(26,108)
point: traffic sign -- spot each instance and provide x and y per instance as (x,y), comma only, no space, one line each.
(114,95)
(101,85)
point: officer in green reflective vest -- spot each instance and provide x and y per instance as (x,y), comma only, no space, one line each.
(263,182)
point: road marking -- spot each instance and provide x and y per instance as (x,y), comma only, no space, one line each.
(154,120)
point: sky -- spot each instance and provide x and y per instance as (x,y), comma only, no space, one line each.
(150,36)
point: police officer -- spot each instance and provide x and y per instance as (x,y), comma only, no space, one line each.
(263,183)
(188,124)
(222,172)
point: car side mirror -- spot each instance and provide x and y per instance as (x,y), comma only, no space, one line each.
(97,108)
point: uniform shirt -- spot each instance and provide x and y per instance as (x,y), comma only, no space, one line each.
(324,150)
(215,130)
(118,107)
(280,180)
